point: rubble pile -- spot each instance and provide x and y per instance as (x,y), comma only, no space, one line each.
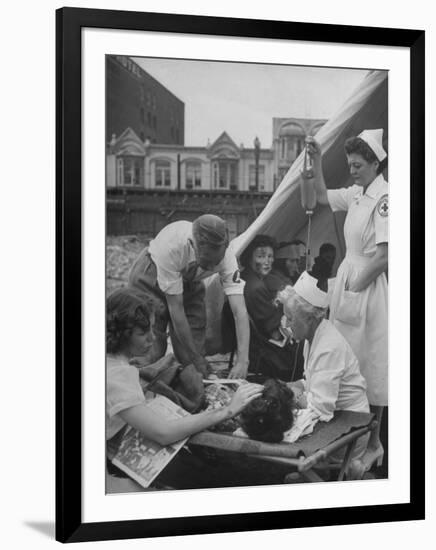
(121,252)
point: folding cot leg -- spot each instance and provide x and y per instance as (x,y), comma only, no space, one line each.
(346,461)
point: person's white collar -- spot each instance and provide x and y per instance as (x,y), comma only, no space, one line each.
(375,187)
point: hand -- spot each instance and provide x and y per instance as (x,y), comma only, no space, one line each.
(301,402)
(313,148)
(351,287)
(296,390)
(243,396)
(139,361)
(239,371)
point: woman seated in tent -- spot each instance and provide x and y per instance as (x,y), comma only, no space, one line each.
(266,358)
(332,379)
(286,263)
(129,334)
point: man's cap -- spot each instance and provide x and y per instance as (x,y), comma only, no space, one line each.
(306,287)
(374,139)
(210,229)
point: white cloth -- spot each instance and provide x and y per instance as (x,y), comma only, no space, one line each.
(304,422)
(123,390)
(332,376)
(362,317)
(173,253)
(306,287)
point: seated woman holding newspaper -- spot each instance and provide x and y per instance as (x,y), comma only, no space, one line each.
(332,379)
(271,354)
(129,334)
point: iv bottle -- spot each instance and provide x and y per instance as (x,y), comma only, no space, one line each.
(308,165)
(308,195)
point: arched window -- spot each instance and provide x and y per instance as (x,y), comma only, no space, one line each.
(162,173)
(225,174)
(291,140)
(130,171)
(193,175)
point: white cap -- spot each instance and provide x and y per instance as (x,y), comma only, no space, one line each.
(374,138)
(307,289)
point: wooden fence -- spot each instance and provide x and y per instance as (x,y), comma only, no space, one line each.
(130,212)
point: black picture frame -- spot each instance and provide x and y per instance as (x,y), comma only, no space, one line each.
(69,22)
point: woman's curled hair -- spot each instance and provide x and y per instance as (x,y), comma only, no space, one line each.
(126,308)
(259,241)
(269,416)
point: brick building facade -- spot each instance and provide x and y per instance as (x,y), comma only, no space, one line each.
(136,100)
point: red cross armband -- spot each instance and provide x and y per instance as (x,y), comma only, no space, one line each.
(383,206)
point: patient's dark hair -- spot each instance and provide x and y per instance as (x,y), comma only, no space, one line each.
(258,242)
(126,308)
(267,417)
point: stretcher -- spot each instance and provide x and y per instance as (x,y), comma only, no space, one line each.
(309,453)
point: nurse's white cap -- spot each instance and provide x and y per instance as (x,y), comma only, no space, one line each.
(374,138)
(307,289)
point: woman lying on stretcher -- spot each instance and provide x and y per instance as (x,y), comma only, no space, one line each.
(332,379)
(129,334)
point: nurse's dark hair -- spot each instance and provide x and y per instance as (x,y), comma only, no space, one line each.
(259,241)
(358,146)
(126,308)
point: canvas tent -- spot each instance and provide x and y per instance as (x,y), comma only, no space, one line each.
(283,217)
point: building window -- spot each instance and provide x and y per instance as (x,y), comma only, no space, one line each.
(282,148)
(226,174)
(154,122)
(252,177)
(162,173)
(130,171)
(291,147)
(193,175)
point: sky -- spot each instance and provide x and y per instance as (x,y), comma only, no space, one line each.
(243,98)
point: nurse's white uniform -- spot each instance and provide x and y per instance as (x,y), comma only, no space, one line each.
(362,317)
(332,379)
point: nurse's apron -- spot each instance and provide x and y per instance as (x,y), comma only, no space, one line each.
(362,317)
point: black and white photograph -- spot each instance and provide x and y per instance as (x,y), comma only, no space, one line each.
(218,262)
(236,290)
(247,237)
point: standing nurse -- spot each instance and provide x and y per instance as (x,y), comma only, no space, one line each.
(359,305)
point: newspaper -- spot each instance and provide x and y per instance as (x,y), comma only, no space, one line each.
(142,459)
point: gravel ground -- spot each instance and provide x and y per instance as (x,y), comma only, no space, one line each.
(121,252)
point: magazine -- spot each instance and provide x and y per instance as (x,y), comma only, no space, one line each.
(142,459)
